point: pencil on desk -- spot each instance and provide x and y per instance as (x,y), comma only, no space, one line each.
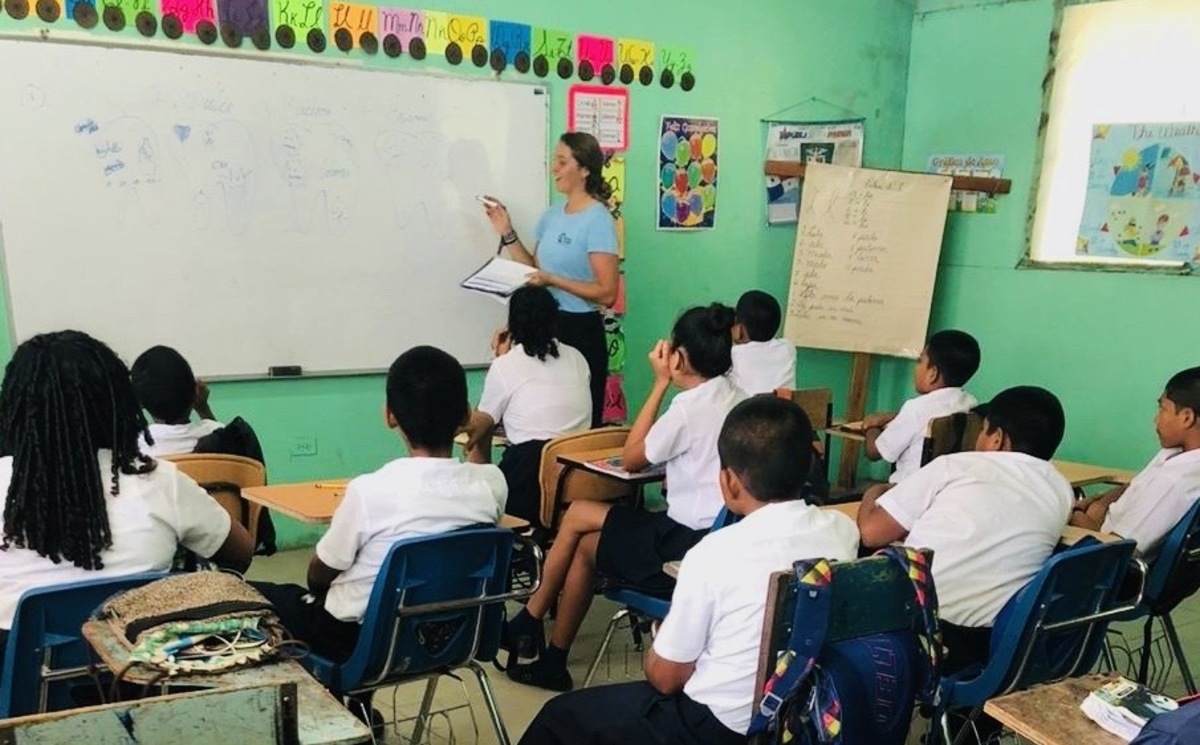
(328,486)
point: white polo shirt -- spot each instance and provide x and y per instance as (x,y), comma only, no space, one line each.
(992,520)
(538,400)
(407,497)
(685,440)
(903,439)
(763,366)
(151,515)
(1156,499)
(717,608)
(172,439)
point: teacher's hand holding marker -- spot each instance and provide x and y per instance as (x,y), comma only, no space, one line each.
(574,251)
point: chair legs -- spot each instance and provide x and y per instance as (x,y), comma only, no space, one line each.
(1177,650)
(426,705)
(490,701)
(1144,666)
(608,635)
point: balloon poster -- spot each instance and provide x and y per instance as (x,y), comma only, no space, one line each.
(687,173)
(1143,193)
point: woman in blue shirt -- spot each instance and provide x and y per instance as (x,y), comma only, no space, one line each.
(575,253)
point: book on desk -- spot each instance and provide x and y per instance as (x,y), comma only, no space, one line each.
(1123,707)
(615,466)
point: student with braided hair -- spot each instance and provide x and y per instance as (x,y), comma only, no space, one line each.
(80,499)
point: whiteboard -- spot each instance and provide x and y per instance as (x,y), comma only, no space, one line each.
(865,260)
(257,213)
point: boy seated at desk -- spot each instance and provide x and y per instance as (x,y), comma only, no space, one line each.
(701,670)
(426,493)
(761,363)
(947,362)
(992,516)
(1148,508)
(167,388)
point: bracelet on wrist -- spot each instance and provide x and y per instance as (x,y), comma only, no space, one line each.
(509,238)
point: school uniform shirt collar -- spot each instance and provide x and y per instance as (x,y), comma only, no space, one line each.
(1177,458)
(708,389)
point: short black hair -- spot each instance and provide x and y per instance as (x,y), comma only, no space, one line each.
(767,442)
(760,314)
(165,384)
(533,321)
(955,354)
(1183,390)
(1031,417)
(427,395)
(706,334)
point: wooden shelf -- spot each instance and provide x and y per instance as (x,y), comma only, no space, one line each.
(789,169)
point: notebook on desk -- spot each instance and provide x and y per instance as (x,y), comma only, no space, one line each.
(614,466)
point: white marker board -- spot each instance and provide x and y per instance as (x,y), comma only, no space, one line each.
(256,213)
(865,260)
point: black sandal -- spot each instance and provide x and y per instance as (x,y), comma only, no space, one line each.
(521,644)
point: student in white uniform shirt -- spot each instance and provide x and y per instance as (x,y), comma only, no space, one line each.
(427,493)
(1161,494)
(80,500)
(700,673)
(761,363)
(948,361)
(538,388)
(629,544)
(169,391)
(992,516)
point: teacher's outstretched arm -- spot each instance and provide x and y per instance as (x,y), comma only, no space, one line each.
(498,215)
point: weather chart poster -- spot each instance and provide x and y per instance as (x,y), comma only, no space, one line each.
(1143,194)
(687,167)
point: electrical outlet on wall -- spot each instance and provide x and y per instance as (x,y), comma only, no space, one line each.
(304,445)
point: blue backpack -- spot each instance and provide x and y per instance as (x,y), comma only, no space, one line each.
(1179,727)
(858,691)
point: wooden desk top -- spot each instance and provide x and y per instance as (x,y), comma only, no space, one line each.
(847,431)
(313,502)
(320,716)
(1050,714)
(583,459)
(1083,474)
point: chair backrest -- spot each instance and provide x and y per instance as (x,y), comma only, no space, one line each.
(816,402)
(580,484)
(437,603)
(1175,571)
(223,477)
(1054,627)
(45,643)
(950,434)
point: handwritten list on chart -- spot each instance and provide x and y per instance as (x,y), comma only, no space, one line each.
(865,259)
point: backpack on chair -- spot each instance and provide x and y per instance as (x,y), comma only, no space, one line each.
(858,691)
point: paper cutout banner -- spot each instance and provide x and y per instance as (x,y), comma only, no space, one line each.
(405,24)
(247,16)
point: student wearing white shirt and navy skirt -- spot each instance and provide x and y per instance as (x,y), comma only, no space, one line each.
(537,387)
(701,670)
(626,543)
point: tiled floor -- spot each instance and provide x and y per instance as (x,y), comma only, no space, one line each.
(519,704)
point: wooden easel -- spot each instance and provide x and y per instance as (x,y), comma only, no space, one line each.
(856,405)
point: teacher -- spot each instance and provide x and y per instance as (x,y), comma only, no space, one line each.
(575,253)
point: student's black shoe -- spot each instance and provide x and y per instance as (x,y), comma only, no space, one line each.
(542,675)
(523,637)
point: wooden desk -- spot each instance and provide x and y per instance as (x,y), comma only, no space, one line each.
(321,717)
(847,431)
(1083,474)
(498,438)
(1050,714)
(313,502)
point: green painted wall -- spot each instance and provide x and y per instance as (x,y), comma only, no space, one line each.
(754,59)
(1105,343)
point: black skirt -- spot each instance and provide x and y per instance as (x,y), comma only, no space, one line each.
(521,466)
(634,545)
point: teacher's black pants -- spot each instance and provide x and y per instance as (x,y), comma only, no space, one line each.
(627,714)
(585,332)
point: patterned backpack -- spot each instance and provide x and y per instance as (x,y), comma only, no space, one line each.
(857,691)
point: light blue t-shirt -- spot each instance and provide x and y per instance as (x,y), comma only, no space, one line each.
(564,242)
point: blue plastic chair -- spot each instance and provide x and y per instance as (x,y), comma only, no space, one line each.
(640,608)
(45,645)
(436,607)
(1174,576)
(1051,629)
